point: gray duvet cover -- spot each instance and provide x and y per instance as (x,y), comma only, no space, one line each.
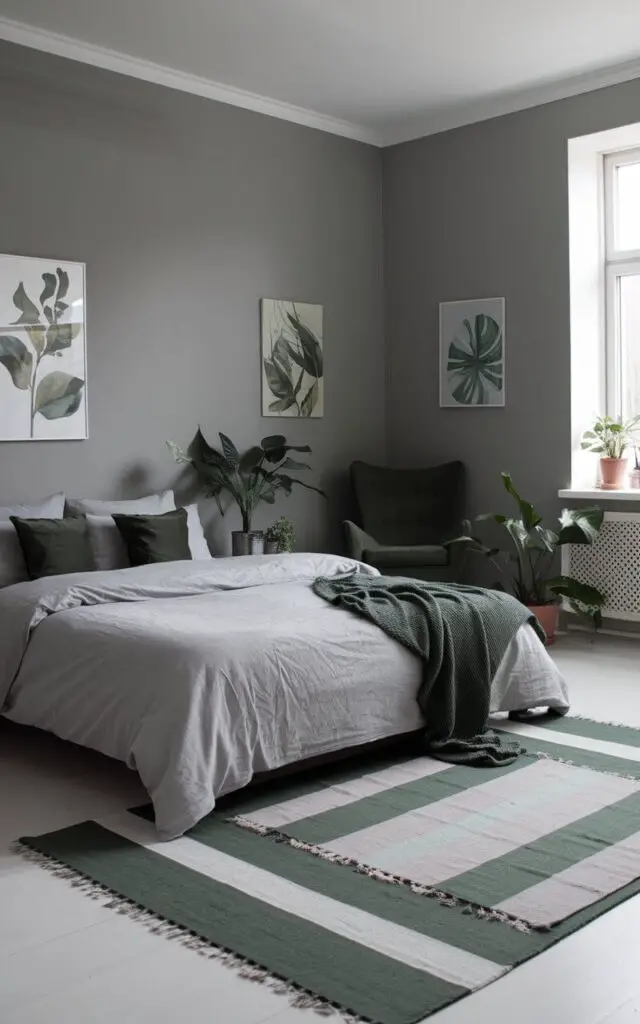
(200,674)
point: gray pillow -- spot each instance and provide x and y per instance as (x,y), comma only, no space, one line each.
(13,568)
(110,551)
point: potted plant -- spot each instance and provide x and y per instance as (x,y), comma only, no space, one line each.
(279,537)
(532,550)
(254,477)
(610,439)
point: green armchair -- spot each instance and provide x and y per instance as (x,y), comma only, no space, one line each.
(406,515)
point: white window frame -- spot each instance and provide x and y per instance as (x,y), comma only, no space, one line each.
(619,263)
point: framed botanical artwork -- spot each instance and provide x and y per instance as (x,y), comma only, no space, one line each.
(472,353)
(292,359)
(42,350)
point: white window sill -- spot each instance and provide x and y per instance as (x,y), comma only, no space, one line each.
(596,494)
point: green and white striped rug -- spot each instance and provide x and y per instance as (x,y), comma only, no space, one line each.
(491,867)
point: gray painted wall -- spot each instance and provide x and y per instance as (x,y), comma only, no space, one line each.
(186,212)
(482,211)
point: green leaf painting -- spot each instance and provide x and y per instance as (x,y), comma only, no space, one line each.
(41,348)
(472,370)
(292,359)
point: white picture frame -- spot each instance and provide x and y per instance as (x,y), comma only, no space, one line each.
(43,363)
(472,354)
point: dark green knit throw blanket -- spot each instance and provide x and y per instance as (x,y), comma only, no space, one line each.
(461,634)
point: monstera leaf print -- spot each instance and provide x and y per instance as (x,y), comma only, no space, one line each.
(475,365)
(46,331)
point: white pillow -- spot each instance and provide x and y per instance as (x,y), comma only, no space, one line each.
(49,508)
(109,549)
(12,564)
(152,505)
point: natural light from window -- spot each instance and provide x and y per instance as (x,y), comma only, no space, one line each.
(604,248)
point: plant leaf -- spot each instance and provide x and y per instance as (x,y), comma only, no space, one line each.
(48,291)
(60,336)
(58,395)
(292,464)
(278,380)
(281,404)
(18,360)
(475,361)
(63,287)
(28,309)
(580,525)
(38,336)
(566,586)
(287,483)
(311,357)
(251,459)
(229,450)
(309,401)
(530,517)
(200,451)
(179,453)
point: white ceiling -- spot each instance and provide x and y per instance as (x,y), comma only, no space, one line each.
(379,70)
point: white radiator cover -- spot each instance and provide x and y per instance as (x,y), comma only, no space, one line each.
(612,564)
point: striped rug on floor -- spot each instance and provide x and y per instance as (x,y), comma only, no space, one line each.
(495,866)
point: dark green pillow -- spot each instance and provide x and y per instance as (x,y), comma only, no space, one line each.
(53,547)
(163,538)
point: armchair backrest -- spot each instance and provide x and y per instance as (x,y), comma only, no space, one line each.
(410,506)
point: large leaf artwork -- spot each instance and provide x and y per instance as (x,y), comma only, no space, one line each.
(45,330)
(475,365)
(292,359)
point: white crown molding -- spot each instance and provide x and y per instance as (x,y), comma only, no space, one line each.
(508,103)
(405,131)
(134,67)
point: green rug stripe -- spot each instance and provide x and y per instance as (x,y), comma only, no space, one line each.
(372,810)
(289,947)
(273,791)
(624,734)
(584,758)
(499,879)
(394,903)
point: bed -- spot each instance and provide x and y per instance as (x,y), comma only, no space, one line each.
(201,674)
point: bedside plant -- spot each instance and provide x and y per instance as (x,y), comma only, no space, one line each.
(532,547)
(250,479)
(610,439)
(279,537)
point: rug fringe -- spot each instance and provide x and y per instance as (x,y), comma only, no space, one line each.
(446,899)
(249,970)
(544,756)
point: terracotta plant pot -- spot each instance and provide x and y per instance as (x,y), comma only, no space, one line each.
(612,474)
(547,616)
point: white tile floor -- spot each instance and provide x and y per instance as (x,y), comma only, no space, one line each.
(65,959)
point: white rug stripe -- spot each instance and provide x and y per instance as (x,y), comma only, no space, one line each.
(344,793)
(579,885)
(580,742)
(459,833)
(391,940)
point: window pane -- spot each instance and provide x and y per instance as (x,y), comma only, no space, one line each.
(628,207)
(630,343)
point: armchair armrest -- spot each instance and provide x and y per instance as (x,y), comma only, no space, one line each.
(400,556)
(357,541)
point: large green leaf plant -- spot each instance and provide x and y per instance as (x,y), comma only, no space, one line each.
(44,330)
(294,368)
(532,547)
(255,476)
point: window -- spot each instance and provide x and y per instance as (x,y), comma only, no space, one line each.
(622,282)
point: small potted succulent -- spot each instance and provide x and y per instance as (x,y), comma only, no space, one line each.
(610,439)
(250,478)
(279,537)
